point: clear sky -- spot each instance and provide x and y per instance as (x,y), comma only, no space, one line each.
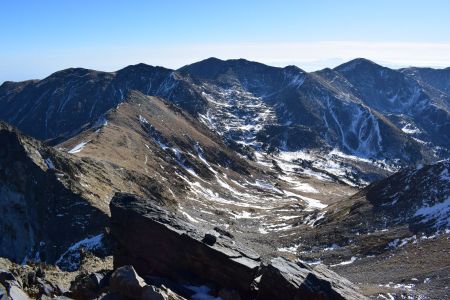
(40,37)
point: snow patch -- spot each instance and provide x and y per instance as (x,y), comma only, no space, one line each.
(347,262)
(49,163)
(70,259)
(201,292)
(78,148)
(439,212)
(290,249)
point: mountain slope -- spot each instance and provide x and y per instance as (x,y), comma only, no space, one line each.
(437,78)
(343,119)
(39,108)
(270,157)
(392,236)
(198,174)
(419,111)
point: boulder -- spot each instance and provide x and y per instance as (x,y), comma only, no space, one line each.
(16,293)
(126,282)
(11,287)
(45,288)
(158,242)
(87,286)
(283,279)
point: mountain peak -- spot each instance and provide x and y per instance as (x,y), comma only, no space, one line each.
(212,67)
(141,67)
(356,63)
(74,72)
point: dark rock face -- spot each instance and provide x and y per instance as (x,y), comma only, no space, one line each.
(282,279)
(89,286)
(159,243)
(40,215)
(155,241)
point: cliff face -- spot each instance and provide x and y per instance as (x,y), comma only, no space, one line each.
(42,214)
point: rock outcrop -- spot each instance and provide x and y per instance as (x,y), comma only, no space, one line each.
(283,279)
(157,242)
(125,282)
(11,286)
(42,205)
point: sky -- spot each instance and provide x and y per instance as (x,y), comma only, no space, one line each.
(38,38)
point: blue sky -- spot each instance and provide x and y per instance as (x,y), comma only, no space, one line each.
(40,37)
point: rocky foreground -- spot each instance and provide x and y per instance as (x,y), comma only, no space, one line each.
(158,255)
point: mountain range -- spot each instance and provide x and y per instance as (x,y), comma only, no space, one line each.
(346,167)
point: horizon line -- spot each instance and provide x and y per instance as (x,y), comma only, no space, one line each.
(276,64)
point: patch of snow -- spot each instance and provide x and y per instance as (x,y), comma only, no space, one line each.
(278,227)
(313,203)
(265,186)
(143,120)
(78,148)
(297,80)
(439,213)
(311,262)
(203,192)
(100,123)
(299,186)
(331,248)
(397,243)
(236,112)
(344,263)
(69,260)
(444,176)
(188,216)
(398,285)
(290,249)
(49,163)
(262,231)
(311,221)
(201,293)
(410,129)
(286,218)
(245,215)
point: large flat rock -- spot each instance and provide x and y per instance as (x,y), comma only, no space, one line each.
(158,242)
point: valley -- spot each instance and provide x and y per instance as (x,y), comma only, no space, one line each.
(345,169)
